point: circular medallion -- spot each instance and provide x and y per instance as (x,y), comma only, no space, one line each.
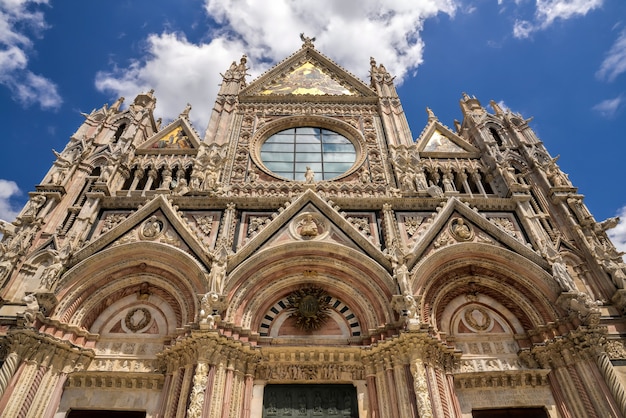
(308,226)
(477,318)
(152,228)
(137,319)
(308,306)
(460,230)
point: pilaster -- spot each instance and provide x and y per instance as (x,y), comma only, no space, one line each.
(217,375)
(46,362)
(574,361)
(412,360)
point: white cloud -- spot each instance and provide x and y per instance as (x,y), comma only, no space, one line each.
(178,70)
(615,62)
(608,108)
(503,106)
(348,31)
(8,189)
(18,21)
(618,234)
(522,29)
(548,11)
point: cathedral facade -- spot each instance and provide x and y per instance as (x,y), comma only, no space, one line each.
(307,256)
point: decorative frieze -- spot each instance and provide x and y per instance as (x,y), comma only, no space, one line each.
(119,381)
(502,379)
(297,372)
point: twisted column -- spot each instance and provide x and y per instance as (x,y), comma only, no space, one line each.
(612,381)
(8,370)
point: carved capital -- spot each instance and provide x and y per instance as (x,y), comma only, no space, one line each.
(616,349)
(579,345)
(49,351)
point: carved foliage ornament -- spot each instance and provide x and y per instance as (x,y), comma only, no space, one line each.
(309,306)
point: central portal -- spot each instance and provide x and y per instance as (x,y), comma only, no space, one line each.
(319,401)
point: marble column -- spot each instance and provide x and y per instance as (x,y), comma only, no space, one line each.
(8,370)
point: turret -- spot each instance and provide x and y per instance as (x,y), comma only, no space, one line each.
(394,119)
(233,80)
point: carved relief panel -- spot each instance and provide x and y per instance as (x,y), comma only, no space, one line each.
(412,225)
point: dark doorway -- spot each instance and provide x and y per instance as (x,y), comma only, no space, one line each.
(91,413)
(511,413)
(310,401)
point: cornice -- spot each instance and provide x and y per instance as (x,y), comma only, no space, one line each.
(210,201)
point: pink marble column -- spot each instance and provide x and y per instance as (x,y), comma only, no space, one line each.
(53,404)
(164,395)
(208,393)
(372,396)
(228,389)
(247,396)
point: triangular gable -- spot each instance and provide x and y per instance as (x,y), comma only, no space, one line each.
(178,137)
(438,141)
(328,229)
(51,244)
(307,73)
(306,79)
(309,199)
(158,206)
(442,232)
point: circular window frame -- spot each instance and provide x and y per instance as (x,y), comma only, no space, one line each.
(349,132)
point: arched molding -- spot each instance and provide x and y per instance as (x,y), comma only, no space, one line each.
(182,304)
(453,311)
(98,161)
(120,119)
(160,310)
(266,296)
(266,277)
(338,312)
(86,289)
(485,331)
(464,269)
(333,124)
(516,161)
(42,256)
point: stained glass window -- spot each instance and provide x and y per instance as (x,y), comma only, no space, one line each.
(288,153)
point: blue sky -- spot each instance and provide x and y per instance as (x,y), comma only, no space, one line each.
(562,62)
